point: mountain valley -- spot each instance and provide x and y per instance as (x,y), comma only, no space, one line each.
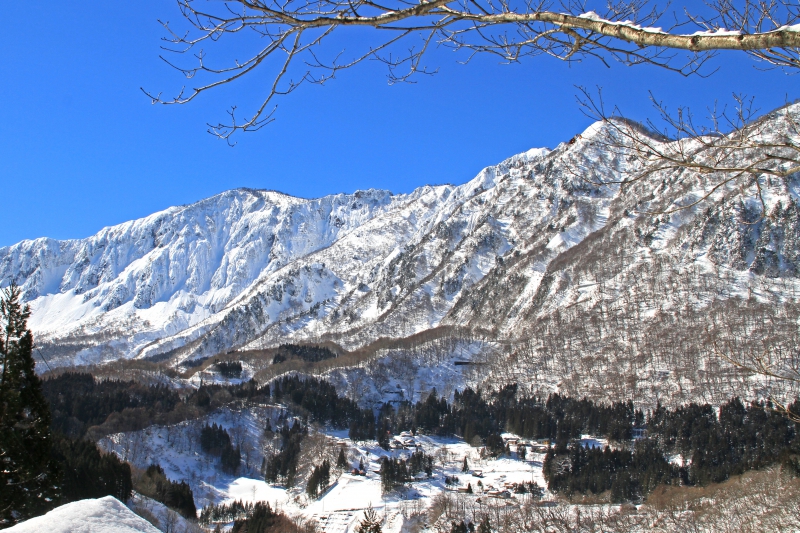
(551,277)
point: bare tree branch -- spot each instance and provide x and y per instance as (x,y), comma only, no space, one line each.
(768,365)
(734,150)
(512,30)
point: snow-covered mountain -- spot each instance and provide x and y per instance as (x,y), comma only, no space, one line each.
(545,254)
(247,266)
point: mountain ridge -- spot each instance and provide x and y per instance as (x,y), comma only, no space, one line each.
(542,235)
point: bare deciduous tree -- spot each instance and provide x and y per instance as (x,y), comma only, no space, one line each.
(297,41)
(734,150)
(772,363)
(741,157)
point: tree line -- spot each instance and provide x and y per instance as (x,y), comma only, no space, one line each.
(714,446)
(229,369)
(396,471)
(628,474)
(711,448)
(225,512)
(309,354)
(175,495)
(83,405)
(261,518)
(249,517)
(214,440)
(487,414)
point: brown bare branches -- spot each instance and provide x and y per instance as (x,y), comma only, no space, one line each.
(735,153)
(771,363)
(292,39)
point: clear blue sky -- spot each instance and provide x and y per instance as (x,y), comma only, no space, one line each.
(82,148)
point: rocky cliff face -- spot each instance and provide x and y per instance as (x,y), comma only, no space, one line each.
(546,253)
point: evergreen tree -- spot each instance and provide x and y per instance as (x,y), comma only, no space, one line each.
(312,487)
(465,466)
(320,479)
(383,436)
(28,479)
(177,496)
(87,473)
(494,445)
(459,527)
(325,474)
(371,523)
(284,463)
(262,519)
(341,461)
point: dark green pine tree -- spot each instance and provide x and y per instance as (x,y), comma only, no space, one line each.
(341,461)
(370,523)
(28,479)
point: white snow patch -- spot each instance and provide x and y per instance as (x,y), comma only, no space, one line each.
(591,15)
(716,32)
(103,515)
(255,490)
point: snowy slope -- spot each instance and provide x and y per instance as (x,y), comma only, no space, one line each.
(104,515)
(149,278)
(540,236)
(226,269)
(341,506)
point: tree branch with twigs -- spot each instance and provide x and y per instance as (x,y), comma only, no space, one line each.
(770,363)
(737,151)
(293,40)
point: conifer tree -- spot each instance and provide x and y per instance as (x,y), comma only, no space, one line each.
(459,527)
(371,523)
(27,476)
(465,466)
(341,461)
(312,487)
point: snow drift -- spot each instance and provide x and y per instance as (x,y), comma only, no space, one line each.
(103,515)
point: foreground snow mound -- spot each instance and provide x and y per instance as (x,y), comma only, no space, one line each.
(104,515)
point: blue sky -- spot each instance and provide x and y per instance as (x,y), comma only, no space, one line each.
(82,148)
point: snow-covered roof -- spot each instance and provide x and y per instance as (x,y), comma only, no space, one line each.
(104,515)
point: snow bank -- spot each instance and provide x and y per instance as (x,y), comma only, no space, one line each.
(104,515)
